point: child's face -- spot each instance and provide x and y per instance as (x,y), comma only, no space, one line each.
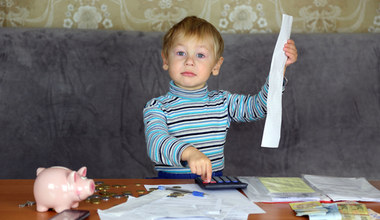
(191,61)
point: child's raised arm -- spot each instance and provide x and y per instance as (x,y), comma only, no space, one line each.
(291,52)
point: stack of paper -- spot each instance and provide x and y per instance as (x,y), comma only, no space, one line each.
(344,189)
(220,204)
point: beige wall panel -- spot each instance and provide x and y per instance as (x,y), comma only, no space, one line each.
(229,16)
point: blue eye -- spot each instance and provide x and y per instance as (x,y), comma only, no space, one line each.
(181,53)
(200,55)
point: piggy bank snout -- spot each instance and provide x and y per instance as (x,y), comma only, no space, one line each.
(86,188)
(91,187)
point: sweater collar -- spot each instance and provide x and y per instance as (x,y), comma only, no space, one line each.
(183,93)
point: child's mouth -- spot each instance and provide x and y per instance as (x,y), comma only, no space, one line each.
(189,74)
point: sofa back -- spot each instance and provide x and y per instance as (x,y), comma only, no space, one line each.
(75,98)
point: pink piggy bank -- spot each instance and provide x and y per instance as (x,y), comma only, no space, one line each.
(61,188)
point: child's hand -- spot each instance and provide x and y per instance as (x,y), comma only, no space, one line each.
(291,52)
(198,162)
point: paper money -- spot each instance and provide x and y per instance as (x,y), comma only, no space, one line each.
(374,215)
(308,208)
(352,209)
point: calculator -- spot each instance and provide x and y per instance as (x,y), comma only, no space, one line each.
(221,182)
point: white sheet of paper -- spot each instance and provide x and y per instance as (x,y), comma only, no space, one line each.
(220,204)
(345,188)
(272,127)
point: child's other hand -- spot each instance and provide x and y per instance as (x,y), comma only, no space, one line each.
(291,52)
(198,162)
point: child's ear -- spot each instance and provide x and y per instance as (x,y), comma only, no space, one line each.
(215,70)
(165,64)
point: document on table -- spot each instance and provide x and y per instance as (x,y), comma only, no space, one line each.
(285,185)
(272,127)
(216,204)
(344,188)
(279,189)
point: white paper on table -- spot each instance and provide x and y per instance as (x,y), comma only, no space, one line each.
(345,188)
(220,204)
(272,127)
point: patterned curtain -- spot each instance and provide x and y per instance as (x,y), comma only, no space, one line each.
(229,16)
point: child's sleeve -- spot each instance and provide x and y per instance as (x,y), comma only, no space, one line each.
(245,108)
(162,148)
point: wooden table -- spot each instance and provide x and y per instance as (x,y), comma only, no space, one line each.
(14,192)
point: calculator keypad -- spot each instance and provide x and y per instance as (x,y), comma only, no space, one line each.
(221,182)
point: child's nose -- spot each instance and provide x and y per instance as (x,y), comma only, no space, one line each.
(189,61)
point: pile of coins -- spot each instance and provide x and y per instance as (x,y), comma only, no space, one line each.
(105,192)
(176,194)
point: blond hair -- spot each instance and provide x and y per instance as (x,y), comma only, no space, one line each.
(193,26)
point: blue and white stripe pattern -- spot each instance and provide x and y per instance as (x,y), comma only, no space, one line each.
(198,118)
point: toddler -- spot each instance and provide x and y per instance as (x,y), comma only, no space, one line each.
(186,129)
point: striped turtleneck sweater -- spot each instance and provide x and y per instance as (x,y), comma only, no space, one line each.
(198,118)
